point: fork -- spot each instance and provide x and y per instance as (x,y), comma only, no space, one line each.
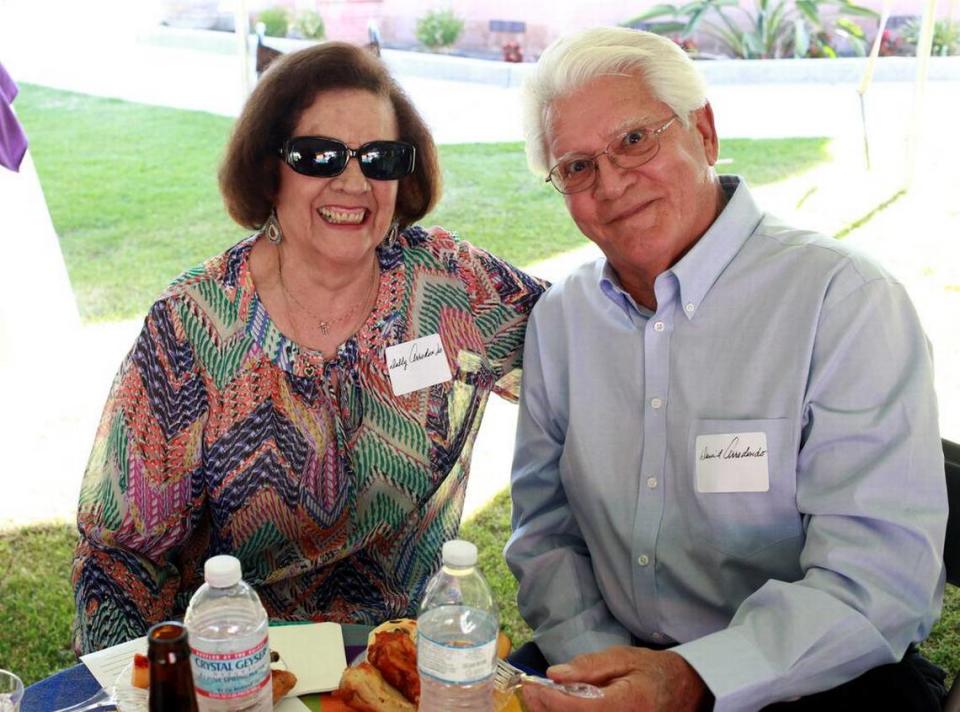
(509,678)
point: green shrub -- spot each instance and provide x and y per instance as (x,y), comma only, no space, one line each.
(439,28)
(946,37)
(310,25)
(771,29)
(276,20)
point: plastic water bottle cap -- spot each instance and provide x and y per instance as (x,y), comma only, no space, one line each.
(222,571)
(459,553)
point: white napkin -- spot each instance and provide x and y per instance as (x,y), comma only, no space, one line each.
(313,652)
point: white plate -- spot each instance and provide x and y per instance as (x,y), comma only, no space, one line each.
(128,697)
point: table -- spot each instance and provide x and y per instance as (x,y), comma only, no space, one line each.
(75,684)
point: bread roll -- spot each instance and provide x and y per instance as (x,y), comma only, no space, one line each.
(365,690)
(407,625)
(283,681)
(394,655)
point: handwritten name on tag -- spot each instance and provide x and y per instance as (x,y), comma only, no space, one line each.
(732,462)
(417,364)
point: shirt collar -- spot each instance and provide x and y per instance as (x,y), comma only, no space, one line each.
(610,286)
(699,269)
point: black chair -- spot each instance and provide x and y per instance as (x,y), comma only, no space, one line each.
(951,548)
(265,54)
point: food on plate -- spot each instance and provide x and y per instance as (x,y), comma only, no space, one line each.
(407,625)
(283,681)
(363,689)
(394,654)
(140,675)
(503,645)
(387,681)
(506,701)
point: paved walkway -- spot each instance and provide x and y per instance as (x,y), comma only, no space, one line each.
(49,431)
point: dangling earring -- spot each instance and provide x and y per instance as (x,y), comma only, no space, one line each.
(390,239)
(271,228)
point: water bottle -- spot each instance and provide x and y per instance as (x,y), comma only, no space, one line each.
(457,635)
(228,641)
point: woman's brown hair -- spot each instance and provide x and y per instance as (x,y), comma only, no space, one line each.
(250,171)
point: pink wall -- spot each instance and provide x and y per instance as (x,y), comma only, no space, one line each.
(545,19)
(347,19)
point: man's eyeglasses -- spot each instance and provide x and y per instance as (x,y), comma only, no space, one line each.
(629,150)
(322,157)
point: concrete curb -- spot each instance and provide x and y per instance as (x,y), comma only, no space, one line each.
(843,70)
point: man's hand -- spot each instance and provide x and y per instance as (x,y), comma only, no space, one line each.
(632,679)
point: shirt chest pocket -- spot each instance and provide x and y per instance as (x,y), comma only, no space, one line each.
(741,475)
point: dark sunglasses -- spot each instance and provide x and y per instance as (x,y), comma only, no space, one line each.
(322,157)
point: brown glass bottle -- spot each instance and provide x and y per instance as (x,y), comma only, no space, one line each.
(171,679)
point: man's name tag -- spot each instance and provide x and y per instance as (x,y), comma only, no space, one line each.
(417,364)
(732,462)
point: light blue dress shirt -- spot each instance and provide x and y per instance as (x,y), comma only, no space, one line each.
(759,328)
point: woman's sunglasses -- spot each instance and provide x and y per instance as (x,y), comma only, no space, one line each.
(326,157)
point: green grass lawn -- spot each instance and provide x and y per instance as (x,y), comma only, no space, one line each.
(133,195)
(36,600)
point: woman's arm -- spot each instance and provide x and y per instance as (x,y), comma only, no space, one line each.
(142,492)
(501,299)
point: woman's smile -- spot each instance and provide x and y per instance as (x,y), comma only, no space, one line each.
(336,215)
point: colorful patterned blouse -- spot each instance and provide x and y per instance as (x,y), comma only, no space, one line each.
(221,435)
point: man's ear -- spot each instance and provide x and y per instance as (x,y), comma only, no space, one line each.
(703,119)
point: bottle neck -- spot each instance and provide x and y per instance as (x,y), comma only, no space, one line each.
(458,570)
(167,642)
(171,677)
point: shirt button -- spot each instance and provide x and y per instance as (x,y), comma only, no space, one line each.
(658,637)
(655,402)
(690,308)
(643,559)
(652,482)
(658,326)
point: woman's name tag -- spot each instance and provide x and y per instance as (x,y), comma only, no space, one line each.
(417,364)
(732,462)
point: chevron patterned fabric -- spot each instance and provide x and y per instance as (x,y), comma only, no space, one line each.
(222,435)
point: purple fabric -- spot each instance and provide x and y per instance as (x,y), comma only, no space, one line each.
(13,142)
(61,690)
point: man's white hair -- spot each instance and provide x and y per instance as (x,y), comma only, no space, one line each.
(572,61)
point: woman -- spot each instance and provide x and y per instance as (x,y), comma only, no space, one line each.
(308,400)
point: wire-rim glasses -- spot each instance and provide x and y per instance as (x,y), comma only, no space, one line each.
(631,149)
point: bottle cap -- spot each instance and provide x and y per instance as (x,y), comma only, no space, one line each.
(222,571)
(459,553)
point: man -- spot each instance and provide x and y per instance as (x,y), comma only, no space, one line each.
(728,483)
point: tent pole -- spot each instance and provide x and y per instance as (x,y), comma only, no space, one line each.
(924,48)
(241,21)
(868,76)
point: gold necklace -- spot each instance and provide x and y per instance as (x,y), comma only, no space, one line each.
(323,323)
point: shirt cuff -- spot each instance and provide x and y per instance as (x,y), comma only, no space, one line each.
(731,666)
